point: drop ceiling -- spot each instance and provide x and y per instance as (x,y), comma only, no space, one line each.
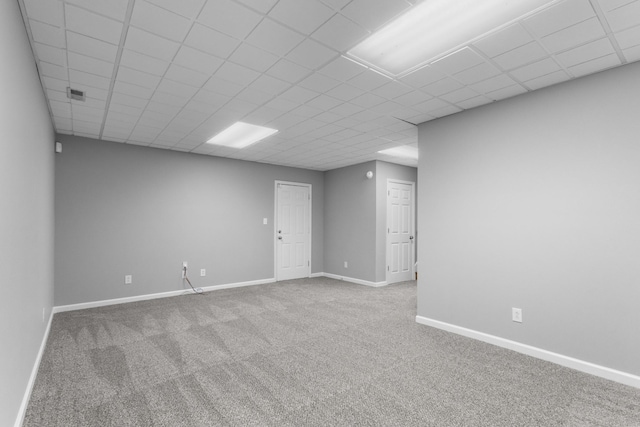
(170,74)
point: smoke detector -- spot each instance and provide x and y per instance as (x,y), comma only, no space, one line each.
(76,94)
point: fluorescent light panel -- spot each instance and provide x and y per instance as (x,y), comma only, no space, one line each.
(434,28)
(405,151)
(241,135)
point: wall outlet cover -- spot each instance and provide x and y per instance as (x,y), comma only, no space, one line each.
(516,315)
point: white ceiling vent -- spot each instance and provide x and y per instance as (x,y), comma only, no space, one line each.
(76,94)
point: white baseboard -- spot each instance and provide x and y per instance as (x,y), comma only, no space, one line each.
(549,356)
(352,280)
(34,373)
(93,304)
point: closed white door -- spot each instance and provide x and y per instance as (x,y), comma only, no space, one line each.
(293,231)
(400,231)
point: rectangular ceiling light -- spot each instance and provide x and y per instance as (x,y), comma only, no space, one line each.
(241,135)
(434,28)
(405,151)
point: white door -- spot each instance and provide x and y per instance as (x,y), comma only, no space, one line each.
(293,231)
(400,234)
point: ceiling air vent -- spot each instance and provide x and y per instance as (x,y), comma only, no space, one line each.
(76,94)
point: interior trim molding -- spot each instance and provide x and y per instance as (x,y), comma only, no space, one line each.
(93,304)
(560,359)
(352,280)
(34,373)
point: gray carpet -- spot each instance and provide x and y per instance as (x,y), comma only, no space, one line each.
(311,352)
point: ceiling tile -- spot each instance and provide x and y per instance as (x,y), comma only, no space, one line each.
(116,9)
(628,38)
(118,98)
(254,58)
(586,53)
(150,44)
(595,65)
(342,69)
(346,109)
(282,104)
(520,56)
(412,98)
(176,88)
(459,95)
(159,21)
(340,33)
(132,90)
(223,87)
(262,6)
(319,83)
(368,100)
(288,71)
(442,86)
(211,41)
(80,78)
(274,37)
(90,65)
(624,17)
(547,80)
(431,105)
(423,76)
(632,54)
(492,84)
(575,35)
(92,25)
(51,70)
(55,84)
(391,90)
(91,47)
(266,83)
(49,12)
(236,73)
(196,60)
(470,103)
(559,16)
(185,75)
(345,92)
(144,63)
(129,75)
(609,5)
(369,80)
(47,34)
(325,102)
(229,17)
(254,95)
(504,40)
(372,14)
(303,15)
(311,54)
(50,54)
(299,94)
(535,70)
(187,8)
(476,74)
(458,61)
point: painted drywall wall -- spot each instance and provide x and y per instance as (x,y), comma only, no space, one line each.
(386,171)
(356,217)
(130,210)
(350,222)
(26,217)
(533,203)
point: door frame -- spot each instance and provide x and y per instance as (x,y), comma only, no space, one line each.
(275,223)
(413,227)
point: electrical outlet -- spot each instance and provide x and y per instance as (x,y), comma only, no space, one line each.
(516,315)
(183,272)
(203,272)
(346,264)
(128,279)
(264,221)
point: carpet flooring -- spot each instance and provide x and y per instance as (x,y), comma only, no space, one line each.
(312,352)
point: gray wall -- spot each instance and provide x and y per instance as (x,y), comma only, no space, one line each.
(124,209)
(534,202)
(356,218)
(26,216)
(350,222)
